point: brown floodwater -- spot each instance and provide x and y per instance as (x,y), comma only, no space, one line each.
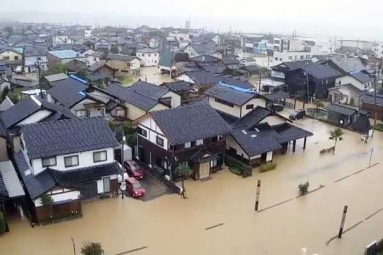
(170,225)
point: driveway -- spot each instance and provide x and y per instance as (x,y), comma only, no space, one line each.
(153,187)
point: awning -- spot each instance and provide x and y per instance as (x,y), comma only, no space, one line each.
(289,133)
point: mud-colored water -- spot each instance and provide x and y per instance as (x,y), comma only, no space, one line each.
(170,225)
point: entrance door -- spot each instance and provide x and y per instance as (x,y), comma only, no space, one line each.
(89,191)
(141,154)
(204,170)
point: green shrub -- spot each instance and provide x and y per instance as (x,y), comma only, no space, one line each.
(235,170)
(267,167)
(327,150)
(247,173)
(2,223)
(46,200)
(91,248)
(303,188)
(237,166)
(378,127)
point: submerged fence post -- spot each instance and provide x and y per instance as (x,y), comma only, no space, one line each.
(257,195)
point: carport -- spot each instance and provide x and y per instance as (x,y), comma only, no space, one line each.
(289,133)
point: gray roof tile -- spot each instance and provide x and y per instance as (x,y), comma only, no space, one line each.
(288,132)
(230,95)
(67,136)
(362,77)
(341,109)
(68,91)
(190,123)
(148,89)
(10,179)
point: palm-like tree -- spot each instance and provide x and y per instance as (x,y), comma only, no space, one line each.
(184,170)
(318,105)
(336,135)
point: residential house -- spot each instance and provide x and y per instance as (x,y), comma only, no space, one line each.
(63,57)
(55,77)
(94,57)
(61,39)
(181,88)
(233,100)
(11,57)
(320,78)
(193,134)
(23,82)
(75,66)
(196,49)
(372,104)
(345,65)
(103,45)
(124,63)
(142,97)
(35,58)
(6,104)
(279,72)
(345,94)
(348,117)
(359,79)
(148,56)
(101,67)
(69,160)
(28,111)
(201,80)
(259,135)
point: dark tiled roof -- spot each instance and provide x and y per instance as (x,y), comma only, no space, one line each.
(148,89)
(321,71)
(98,76)
(341,109)
(178,86)
(362,77)
(77,176)
(276,95)
(68,92)
(76,65)
(58,109)
(18,112)
(362,124)
(35,51)
(294,65)
(370,98)
(230,61)
(166,58)
(67,136)
(190,123)
(3,189)
(348,64)
(255,143)
(205,59)
(143,102)
(252,118)
(230,95)
(35,185)
(230,119)
(215,69)
(288,132)
(202,78)
(236,81)
(120,57)
(350,87)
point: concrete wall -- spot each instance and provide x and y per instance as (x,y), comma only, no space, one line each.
(176,99)
(273,120)
(68,195)
(256,102)
(234,111)
(149,59)
(85,160)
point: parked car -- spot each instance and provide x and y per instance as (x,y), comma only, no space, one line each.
(134,170)
(298,114)
(277,107)
(134,187)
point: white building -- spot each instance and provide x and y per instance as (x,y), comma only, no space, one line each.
(67,161)
(378,50)
(94,58)
(148,56)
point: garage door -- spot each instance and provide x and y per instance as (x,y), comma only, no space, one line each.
(89,191)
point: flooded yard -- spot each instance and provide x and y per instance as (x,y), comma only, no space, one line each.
(219,218)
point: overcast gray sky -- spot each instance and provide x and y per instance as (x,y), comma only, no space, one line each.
(342,18)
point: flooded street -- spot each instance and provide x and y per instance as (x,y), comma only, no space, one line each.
(170,225)
(152,75)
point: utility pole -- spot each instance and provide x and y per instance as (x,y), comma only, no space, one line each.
(260,80)
(257,195)
(307,82)
(122,163)
(371,151)
(343,221)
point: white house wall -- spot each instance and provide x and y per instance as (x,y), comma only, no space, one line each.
(234,111)
(349,80)
(256,102)
(100,183)
(153,131)
(273,120)
(158,107)
(176,99)
(71,195)
(80,105)
(36,117)
(85,160)
(134,112)
(149,59)
(186,78)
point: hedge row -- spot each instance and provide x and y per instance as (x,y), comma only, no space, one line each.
(267,167)
(238,167)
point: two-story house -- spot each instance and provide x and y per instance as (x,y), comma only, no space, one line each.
(359,79)
(124,63)
(194,134)
(11,56)
(68,160)
(34,58)
(148,56)
(63,56)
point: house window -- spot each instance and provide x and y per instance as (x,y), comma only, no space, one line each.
(143,54)
(249,106)
(220,137)
(94,59)
(160,141)
(149,55)
(81,113)
(39,58)
(224,102)
(214,163)
(71,161)
(120,112)
(16,57)
(6,58)
(155,55)
(49,161)
(199,142)
(214,139)
(301,57)
(142,132)
(106,182)
(99,156)
(192,144)
(187,145)
(276,59)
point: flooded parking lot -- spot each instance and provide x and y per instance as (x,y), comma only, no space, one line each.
(219,217)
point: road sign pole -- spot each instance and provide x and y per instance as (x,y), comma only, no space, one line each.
(257,195)
(343,221)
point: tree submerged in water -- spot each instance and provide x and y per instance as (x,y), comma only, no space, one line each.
(303,188)
(336,135)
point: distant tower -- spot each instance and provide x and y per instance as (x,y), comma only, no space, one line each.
(188,23)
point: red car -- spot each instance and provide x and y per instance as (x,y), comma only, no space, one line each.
(134,170)
(134,188)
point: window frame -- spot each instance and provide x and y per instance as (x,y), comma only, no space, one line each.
(78,161)
(81,116)
(158,138)
(49,158)
(249,106)
(139,129)
(97,161)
